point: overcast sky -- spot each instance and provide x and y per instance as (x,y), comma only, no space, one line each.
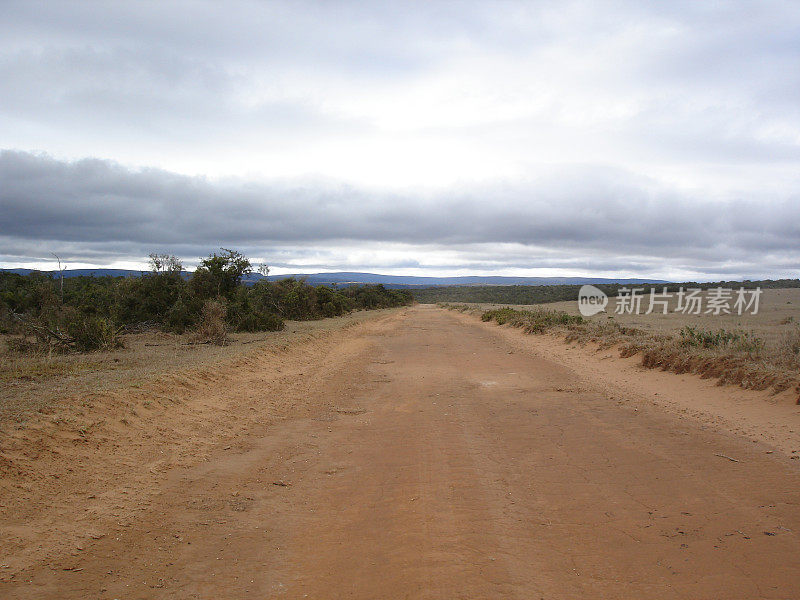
(654,139)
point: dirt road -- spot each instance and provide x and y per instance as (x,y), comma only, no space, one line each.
(433,459)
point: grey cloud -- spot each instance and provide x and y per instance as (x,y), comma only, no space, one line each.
(103,207)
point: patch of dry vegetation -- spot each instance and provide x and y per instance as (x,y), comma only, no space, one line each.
(733,357)
(212,328)
(537,320)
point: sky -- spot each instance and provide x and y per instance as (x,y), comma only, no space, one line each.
(612,139)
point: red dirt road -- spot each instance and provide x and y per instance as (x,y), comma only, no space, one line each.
(434,459)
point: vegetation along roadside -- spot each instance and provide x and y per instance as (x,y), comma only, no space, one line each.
(732,357)
(41,314)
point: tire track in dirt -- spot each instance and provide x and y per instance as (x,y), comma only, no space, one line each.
(91,466)
(425,456)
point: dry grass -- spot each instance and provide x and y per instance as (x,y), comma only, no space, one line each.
(29,383)
(29,368)
(212,328)
(737,358)
(752,351)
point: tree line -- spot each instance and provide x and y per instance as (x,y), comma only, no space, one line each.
(87,313)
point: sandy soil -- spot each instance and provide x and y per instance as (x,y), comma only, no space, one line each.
(32,383)
(422,454)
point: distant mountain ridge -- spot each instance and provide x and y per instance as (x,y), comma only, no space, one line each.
(350,278)
(81,272)
(421,281)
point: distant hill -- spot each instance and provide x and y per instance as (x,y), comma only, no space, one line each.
(416,281)
(399,281)
(82,272)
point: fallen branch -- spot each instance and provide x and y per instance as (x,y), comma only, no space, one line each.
(43,331)
(728,457)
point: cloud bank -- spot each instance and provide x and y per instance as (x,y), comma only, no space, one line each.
(92,208)
(616,137)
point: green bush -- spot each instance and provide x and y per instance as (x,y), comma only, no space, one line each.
(92,333)
(247,312)
(94,309)
(147,299)
(256,321)
(219,275)
(179,317)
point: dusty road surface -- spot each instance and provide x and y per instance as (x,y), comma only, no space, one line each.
(425,456)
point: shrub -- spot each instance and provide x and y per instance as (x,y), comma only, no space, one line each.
(329,302)
(64,330)
(212,328)
(6,324)
(258,321)
(219,275)
(247,311)
(179,317)
(149,298)
(92,333)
